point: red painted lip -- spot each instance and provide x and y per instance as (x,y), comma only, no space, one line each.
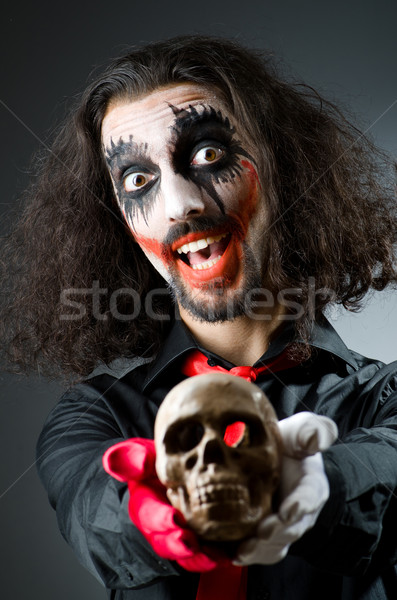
(193,237)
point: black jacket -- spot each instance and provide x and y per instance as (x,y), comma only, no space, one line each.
(350,552)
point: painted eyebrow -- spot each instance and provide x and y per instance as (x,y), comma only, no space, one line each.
(121,153)
(190,118)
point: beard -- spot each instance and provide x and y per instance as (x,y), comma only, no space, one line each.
(217,301)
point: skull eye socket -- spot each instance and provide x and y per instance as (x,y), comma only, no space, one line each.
(236,435)
(183,436)
(243,434)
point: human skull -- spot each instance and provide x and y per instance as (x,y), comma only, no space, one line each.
(218,453)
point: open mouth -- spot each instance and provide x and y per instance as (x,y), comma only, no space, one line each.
(205,252)
(209,259)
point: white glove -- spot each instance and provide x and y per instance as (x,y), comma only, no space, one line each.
(304,489)
(305,434)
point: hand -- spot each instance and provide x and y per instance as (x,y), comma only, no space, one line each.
(305,434)
(304,489)
(133,461)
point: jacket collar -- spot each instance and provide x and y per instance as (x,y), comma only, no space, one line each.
(180,341)
(326,338)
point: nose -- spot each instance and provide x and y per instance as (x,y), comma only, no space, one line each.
(214,453)
(183,199)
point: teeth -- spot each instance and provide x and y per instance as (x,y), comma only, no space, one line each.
(200,244)
(218,493)
(207,264)
(193,246)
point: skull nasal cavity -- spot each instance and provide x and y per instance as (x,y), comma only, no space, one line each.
(213,453)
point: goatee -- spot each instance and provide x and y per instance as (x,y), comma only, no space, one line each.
(217,301)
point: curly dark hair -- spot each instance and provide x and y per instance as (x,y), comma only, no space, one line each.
(329,193)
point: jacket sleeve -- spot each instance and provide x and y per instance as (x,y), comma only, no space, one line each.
(355,532)
(91,506)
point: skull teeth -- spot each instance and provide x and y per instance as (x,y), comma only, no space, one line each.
(218,493)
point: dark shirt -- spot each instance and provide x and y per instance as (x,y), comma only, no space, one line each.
(350,552)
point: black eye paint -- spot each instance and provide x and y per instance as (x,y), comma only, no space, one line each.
(123,159)
(193,130)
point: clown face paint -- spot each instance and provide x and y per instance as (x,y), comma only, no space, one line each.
(185,179)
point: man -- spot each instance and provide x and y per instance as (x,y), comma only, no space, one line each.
(258,205)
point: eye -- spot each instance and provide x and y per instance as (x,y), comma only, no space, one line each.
(207,155)
(136,181)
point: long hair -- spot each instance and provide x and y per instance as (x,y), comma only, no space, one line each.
(330,204)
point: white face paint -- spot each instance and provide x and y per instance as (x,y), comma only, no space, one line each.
(186,181)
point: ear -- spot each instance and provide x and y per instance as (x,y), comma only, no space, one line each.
(133,459)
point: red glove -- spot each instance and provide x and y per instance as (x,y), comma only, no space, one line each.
(164,527)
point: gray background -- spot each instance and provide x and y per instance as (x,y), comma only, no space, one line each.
(346,49)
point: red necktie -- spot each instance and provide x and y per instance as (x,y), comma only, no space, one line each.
(196,363)
(229,583)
